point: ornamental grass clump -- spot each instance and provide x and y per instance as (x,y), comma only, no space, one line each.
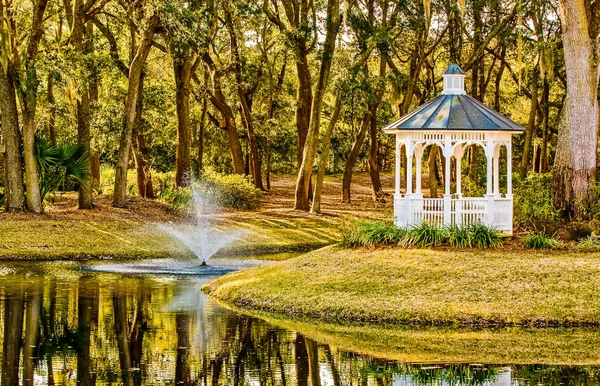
(484,236)
(372,233)
(425,235)
(542,241)
(589,244)
(459,236)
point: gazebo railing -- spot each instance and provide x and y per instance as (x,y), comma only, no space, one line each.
(466,211)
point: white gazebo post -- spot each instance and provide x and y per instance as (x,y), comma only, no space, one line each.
(459,152)
(497,170)
(409,190)
(453,120)
(489,153)
(447,195)
(398,159)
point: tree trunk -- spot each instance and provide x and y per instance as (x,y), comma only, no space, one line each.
(352,157)
(316,204)
(141,153)
(545,127)
(312,139)
(52,111)
(433,171)
(135,74)
(182,68)
(83,101)
(376,188)
(575,162)
(245,102)
(32,176)
(14,192)
(217,98)
(530,125)
(201,129)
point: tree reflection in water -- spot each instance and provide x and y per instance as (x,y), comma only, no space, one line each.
(63,328)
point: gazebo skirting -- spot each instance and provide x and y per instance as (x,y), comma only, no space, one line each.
(493,211)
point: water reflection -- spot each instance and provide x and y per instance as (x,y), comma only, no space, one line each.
(60,327)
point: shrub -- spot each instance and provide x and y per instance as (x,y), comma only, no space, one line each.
(459,236)
(371,233)
(179,198)
(477,235)
(60,166)
(425,235)
(231,190)
(590,243)
(533,207)
(542,241)
(484,236)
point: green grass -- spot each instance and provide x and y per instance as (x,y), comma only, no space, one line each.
(63,239)
(420,286)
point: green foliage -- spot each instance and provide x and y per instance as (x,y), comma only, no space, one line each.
(425,235)
(458,236)
(231,191)
(533,209)
(590,243)
(484,236)
(60,165)
(178,198)
(372,233)
(542,241)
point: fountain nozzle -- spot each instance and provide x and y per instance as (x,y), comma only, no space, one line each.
(203,263)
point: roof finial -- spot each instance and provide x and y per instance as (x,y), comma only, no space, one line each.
(454,81)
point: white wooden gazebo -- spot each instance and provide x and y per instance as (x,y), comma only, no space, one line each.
(454,121)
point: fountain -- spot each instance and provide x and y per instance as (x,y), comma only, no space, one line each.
(200,237)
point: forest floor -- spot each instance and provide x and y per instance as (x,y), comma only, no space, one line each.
(104,232)
(478,287)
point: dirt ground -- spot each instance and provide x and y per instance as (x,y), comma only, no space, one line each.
(279,200)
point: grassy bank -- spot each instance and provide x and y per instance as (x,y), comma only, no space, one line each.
(66,233)
(424,286)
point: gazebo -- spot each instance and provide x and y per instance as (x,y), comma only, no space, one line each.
(453,121)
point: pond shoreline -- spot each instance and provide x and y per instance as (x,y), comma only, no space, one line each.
(476,289)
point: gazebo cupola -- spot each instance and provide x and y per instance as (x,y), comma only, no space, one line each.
(453,121)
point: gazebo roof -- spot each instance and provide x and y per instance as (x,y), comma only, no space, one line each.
(453,111)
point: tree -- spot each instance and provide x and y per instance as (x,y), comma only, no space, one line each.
(575,162)
(333,22)
(133,94)
(78,15)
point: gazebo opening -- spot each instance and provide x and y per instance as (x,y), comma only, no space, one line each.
(453,121)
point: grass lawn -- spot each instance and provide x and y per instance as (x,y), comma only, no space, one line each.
(424,286)
(64,232)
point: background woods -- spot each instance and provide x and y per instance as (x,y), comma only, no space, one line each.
(283,86)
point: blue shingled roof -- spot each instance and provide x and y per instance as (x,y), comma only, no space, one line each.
(454,69)
(454,112)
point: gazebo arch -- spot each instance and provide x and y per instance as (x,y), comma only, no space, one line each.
(453,121)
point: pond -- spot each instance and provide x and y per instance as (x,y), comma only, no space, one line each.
(82,327)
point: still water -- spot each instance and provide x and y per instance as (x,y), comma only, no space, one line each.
(64,326)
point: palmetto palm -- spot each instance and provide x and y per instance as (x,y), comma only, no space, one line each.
(60,164)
